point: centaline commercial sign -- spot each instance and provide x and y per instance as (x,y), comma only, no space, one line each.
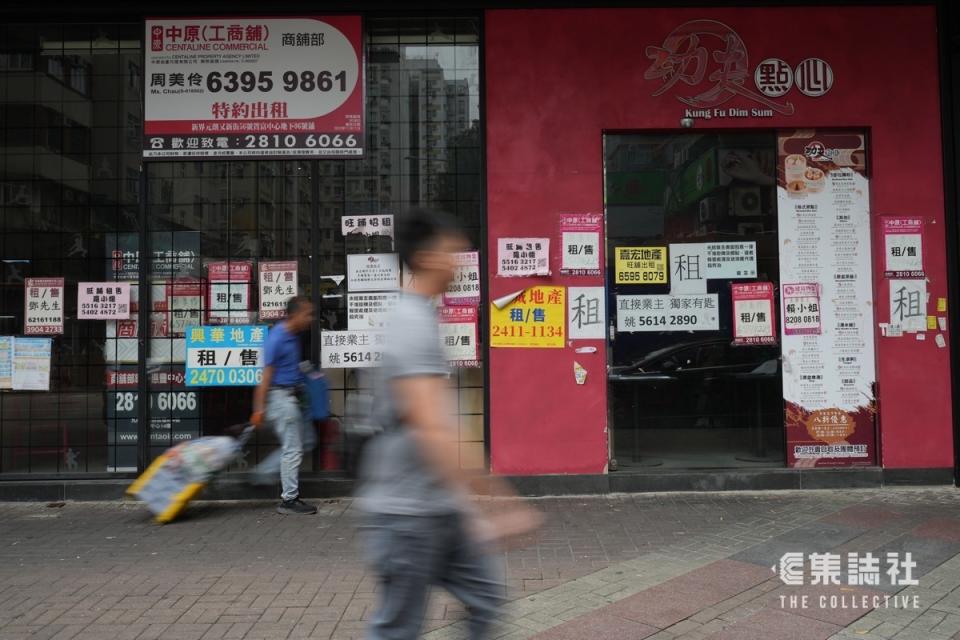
(253,87)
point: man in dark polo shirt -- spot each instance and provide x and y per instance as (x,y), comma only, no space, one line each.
(279,393)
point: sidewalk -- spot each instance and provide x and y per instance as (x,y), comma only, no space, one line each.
(659,566)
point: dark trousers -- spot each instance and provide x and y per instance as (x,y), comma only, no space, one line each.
(412,553)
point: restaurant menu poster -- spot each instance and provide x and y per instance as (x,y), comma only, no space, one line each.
(828,342)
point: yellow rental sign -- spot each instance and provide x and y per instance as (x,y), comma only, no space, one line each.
(534,319)
(641,265)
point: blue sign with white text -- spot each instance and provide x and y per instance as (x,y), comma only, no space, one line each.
(225,356)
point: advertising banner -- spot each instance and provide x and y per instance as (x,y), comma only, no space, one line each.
(174,254)
(174,413)
(379,225)
(465,288)
(31,364)
(184,305)
(225,356)
(801,309)
(517,257)
(753,313)
(458,333)
(373,272)
(586,313)
(672,312)
(534,319)
(228,292)
(351,349)
(370,311)
(580,243)
(278,283)
(824,230)
(43,306)
(103,301)
(903,246)
(251,87)
(641,265)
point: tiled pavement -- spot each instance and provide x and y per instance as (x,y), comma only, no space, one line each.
(658,566)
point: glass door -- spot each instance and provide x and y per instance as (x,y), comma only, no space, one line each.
(690,218)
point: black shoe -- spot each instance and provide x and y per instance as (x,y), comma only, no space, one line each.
(296,506)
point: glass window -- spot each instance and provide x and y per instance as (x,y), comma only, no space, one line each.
(682,392)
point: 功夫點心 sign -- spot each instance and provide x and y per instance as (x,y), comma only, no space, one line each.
(224,356)
(706,66)
(239,87)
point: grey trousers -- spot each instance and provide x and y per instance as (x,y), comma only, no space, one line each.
(410,554)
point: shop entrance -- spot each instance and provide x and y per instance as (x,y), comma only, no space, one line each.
(689,217)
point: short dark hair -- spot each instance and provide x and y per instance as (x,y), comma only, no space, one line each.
(296,303)
(419,227)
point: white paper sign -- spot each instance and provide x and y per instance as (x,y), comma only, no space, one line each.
(103,300)
(278,283)
(370,311)
(517,257)
(6,362)
(904,252)
(586,313)
(693,312)
(373,272)
(380,225)
(693,264)
(31,364)
(908,304)
(581,251)
(458,335)
(351,349)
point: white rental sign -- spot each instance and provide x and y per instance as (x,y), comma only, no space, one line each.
(694,312)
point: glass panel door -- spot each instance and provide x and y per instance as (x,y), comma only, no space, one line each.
(688,216)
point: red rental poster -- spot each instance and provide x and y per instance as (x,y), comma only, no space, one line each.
(236,87)
(753,314)
(43,306)
(903,246)
(228,292)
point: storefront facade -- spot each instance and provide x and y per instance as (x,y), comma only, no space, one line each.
(703,245)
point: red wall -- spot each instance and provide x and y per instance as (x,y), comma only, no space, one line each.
(556,79)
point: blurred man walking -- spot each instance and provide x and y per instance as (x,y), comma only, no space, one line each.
(420,525)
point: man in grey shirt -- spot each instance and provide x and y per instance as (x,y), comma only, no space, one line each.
(421,529)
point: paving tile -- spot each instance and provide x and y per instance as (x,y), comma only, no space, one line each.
(947,529)
(776,625)
(597,625)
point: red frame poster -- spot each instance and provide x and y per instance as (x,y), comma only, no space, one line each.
(253,86)
(581,233)
(753,305)
(461,316)
(228,275)
(902,243)
(35,290)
